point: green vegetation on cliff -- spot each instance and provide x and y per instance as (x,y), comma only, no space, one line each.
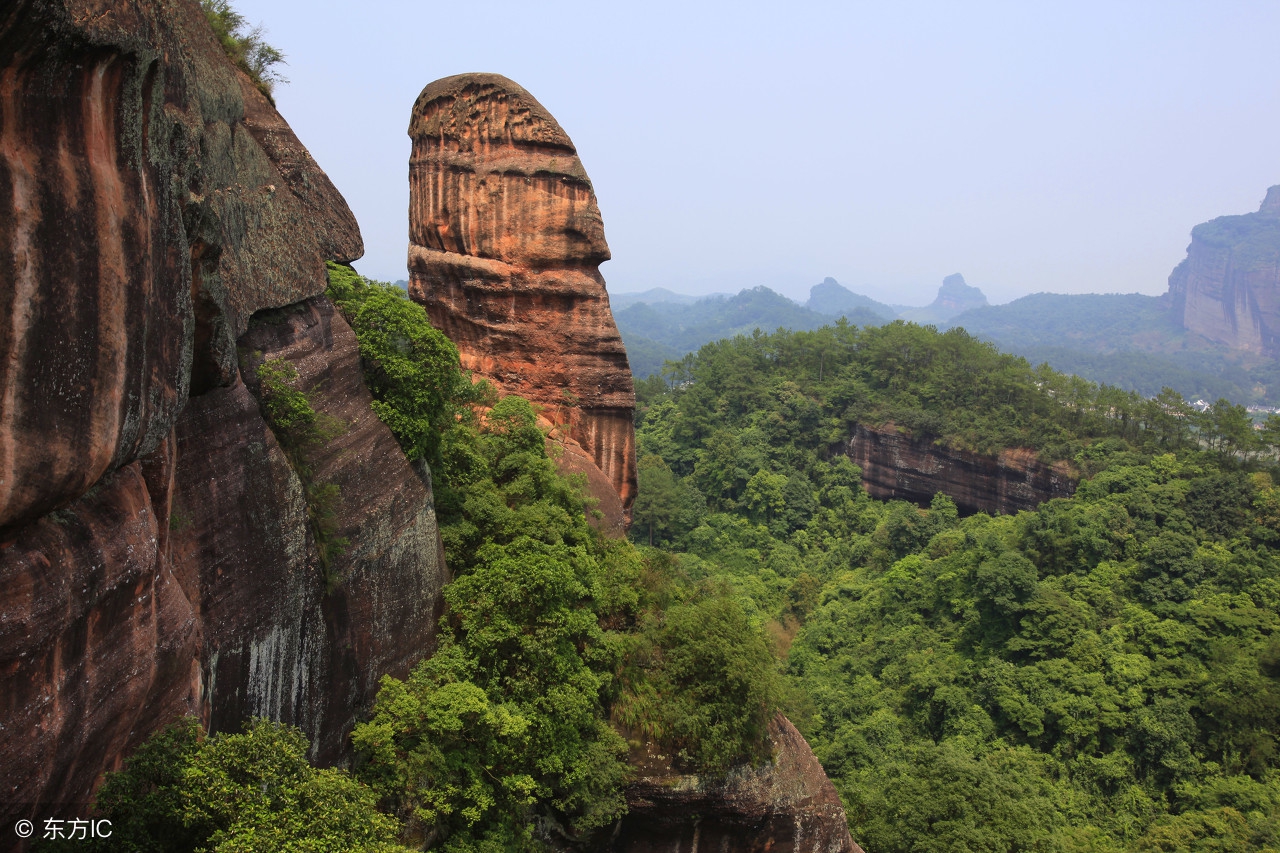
(556,639)
(245,45)
(504,739)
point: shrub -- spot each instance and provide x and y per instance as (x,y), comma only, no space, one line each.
(254,791)
(245,45)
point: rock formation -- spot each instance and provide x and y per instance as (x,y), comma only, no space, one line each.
(896,465)
(786,807)
(1228,287)
(505,244)
(954,298)
(155,553)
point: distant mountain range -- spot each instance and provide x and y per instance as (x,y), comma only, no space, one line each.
(1216,333)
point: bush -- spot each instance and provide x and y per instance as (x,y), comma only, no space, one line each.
(702,680)
(245,46)
(235,793)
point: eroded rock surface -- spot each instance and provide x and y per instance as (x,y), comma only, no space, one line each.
(1228,287)
(786,807)
(156,557)
(287,636)
(896,465)
(505,244)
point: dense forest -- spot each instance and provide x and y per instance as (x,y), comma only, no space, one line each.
(1100,674)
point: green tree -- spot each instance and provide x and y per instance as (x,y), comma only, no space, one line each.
(237,793)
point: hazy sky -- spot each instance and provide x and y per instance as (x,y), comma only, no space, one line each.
(1067,147)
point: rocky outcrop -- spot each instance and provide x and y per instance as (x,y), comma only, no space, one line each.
(1228,287)
(156,552)
(954,298)
(298,630)
(896,465)
(505,244)
(788,805)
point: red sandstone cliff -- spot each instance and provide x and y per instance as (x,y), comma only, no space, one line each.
(1228,287)
(155,553)
(788,806)
(896,465)
(505,244)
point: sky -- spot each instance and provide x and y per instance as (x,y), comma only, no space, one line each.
(1065,147)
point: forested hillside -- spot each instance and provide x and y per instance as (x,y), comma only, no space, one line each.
(1127,340)
(1100,674)
(661,331)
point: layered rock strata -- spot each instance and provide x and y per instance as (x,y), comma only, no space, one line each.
(156,555)
(785,807)
(1228,287)
(896,465)
(505,244)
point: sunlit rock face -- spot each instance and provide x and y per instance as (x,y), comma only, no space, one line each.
(1228,287)
(156,557)
(505,244)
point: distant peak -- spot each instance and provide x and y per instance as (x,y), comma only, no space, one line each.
(829,281)
(1271,204)
(954,289)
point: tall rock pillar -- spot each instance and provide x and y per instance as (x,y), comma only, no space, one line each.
(505,245)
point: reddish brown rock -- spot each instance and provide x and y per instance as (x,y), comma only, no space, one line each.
(129,147)
(98,640)
(788,806)
(505,244)
(1228,287)
(285,639)
(896,465)
(155,553)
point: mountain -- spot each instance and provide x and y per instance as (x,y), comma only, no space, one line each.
(834,299)
(954,298)
(653,296)
(658,332)
(1228,287)
(490,243)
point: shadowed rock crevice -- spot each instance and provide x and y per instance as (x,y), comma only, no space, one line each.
(787,806)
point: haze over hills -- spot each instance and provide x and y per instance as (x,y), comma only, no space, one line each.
(1216,333)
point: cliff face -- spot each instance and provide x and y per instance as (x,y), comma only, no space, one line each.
(287,636)
(505,244)
(155,553)
(898,466)
(788,806)
(1228,287)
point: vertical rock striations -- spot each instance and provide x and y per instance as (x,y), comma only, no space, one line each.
(505,244)
(1228,287)
(156,552)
